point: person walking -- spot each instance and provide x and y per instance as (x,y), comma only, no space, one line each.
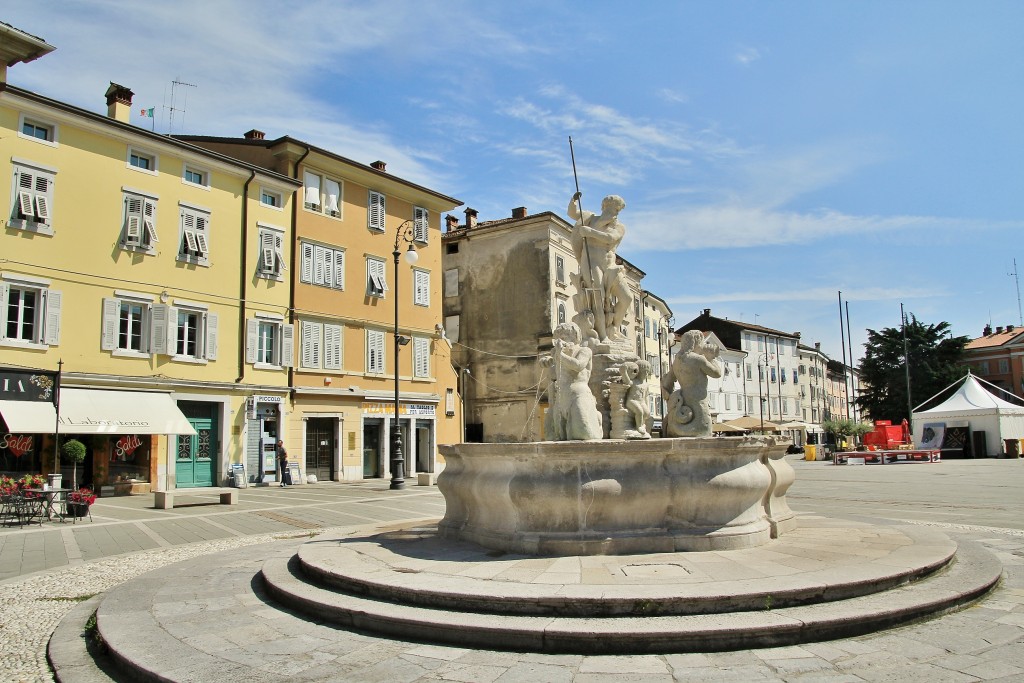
(282,461)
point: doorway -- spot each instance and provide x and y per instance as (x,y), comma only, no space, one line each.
(320,447)
(196,458)
(371,448)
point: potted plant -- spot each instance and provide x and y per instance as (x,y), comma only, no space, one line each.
(73,450)
(79,500)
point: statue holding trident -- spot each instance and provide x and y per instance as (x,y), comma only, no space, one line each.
(595,237)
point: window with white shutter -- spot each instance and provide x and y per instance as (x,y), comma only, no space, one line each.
(374,351)
(268,342)
(194,242)
(32,199)
(332,346)
(29,314)
(421,356)
(324,266)
(138,222)
(421,287)
(126,326)
(421,224)
(271,257)
(375,211)
(376,282)
(310,344)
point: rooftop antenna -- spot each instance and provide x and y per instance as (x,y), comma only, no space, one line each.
(174,86)
(1016,280)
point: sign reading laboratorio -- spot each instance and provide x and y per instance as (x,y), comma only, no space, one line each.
(66,421)
(423,409)
(27,385)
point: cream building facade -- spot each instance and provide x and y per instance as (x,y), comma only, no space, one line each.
(135,263)
(348,218)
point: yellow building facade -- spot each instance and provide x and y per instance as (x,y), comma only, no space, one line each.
(154,274)
(348,219)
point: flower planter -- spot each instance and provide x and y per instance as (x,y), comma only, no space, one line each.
(78,509)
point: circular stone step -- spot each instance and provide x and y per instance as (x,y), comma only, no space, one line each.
(973,573)
(823,560)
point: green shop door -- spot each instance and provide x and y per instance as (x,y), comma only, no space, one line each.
(196,459)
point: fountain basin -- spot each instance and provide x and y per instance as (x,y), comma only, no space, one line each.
(614,497)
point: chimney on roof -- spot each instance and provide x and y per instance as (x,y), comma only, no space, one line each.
(987,331)
(254,135)
(999,329)
(470,217)
(1009,328)
(707,312)
(451,223)
(119,102)
(379,166)
(817,346)
(519,212)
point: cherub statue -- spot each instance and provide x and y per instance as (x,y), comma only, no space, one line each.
(635,375)
(688,413)
(573,408)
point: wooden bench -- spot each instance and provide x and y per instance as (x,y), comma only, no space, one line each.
(164,500)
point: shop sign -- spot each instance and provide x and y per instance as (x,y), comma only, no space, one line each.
(424,409)
(126,445)
(252,410)
(18,444)
(18,385)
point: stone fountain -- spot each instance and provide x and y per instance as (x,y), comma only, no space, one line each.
(602,485)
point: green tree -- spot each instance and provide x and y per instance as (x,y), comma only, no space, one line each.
(74,451)
(935,359)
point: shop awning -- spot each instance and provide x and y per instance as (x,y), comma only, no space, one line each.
(95,411)
(29,417)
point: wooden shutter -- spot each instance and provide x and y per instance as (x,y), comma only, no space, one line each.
(332,347)
(421,224)
(111,318)
(267,252)
(5,291)
(376,211)
(422,282)
(158,323)
(252,338)
(306,344)
(149,219)
(339,269)
(51,329)
(212,325)
(25,195)
(328,258)
(306,267)
(421,357)
(279,253)
(43,193)
(318,265)
(287,346)
(172,330)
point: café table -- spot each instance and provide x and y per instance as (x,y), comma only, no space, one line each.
(54,497)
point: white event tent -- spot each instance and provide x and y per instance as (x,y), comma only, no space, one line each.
(975,407)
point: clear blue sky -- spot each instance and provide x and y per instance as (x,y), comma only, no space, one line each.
(770,153)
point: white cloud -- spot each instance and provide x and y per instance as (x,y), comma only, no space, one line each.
(747,55)
(816,294)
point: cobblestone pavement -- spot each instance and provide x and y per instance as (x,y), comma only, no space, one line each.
(981,500)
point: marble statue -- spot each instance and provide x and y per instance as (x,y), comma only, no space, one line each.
(635,376)
(688,413)
(573,414)
(595,237)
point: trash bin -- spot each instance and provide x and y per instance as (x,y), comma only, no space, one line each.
(809,453)
(1012,448)
(238,478)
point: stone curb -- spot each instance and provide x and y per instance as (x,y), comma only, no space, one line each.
(68,652)
(975,572)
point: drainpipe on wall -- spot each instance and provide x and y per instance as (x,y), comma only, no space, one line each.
(295,256)
(245,274)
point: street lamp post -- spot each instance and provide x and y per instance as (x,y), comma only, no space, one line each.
(405,233)
(763,377)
